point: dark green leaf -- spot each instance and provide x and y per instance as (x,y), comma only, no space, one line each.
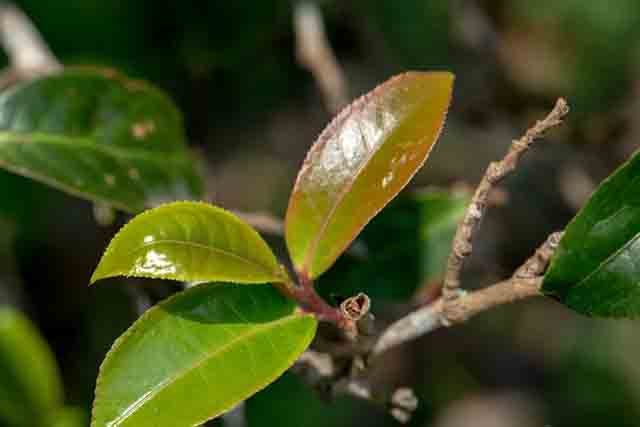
(360,162)
(30,385)
(97,135)
(198,354)
(595,269)
(190,241)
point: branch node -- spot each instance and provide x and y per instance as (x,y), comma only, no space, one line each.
(494,171)
(525,282)
(537,264)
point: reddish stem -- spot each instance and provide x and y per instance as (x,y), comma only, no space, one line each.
(305,294)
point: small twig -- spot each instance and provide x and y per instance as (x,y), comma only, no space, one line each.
(328,373)
(28,53)
(314,366)
(263,222)
(344,317)
(314,53)
(462,242)
(140,299)
(524,283)
(321,372)
(236,417)
(537,264)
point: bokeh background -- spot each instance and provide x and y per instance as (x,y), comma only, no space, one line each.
(252,112)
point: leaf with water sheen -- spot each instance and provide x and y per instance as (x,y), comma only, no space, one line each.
(190,241)
(198,354)
(595,269)
(30,385)
(360,162)
(100,136)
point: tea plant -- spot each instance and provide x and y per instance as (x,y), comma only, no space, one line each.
(245,317)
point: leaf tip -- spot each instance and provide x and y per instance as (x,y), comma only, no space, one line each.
(445,76)
(97,275)
(103,271)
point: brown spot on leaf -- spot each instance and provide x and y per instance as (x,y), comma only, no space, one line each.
(133,173)
(140,130)
(135,85)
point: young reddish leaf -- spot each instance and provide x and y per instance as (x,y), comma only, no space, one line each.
(190,241)
(360,162)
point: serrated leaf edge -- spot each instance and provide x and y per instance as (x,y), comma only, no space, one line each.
(356,106)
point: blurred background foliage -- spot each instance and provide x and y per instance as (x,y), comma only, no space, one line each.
(252,112)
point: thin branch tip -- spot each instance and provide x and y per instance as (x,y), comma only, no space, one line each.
(323,373)
(314,52)
(28,53)
(562,107)
(462,245)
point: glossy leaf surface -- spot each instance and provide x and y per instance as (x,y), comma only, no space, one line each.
(30,385)
(360,162)
(404,247)
(190,241)
(97,135)
(198,354)
(595,269)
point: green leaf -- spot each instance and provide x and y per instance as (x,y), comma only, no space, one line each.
(68,416)
(190,241)
(100,136)
(30,385)
(440,214)
(422,226)
(198,354)
(360,162)
(595,269)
